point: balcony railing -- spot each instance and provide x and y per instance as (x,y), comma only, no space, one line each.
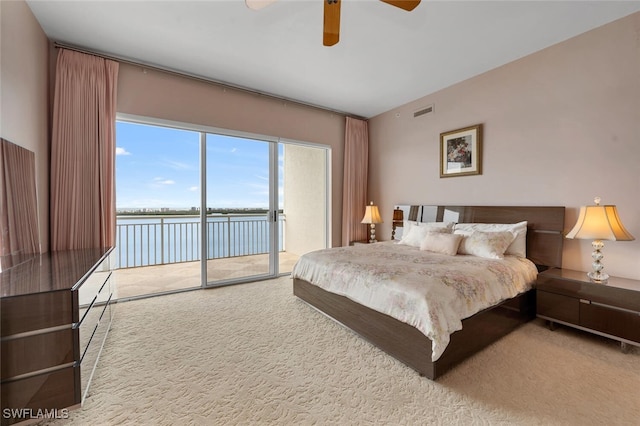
(157,240)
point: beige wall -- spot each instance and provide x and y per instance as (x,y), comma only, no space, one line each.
(305,198)
(166,96)
(560,127)
(24,113)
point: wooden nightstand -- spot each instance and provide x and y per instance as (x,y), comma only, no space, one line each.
(570,298)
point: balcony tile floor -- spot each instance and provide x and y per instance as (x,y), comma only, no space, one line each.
(133,282)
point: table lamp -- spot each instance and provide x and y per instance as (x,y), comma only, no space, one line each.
(599,223)
(371,217)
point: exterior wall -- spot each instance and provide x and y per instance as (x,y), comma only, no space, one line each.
(561,126)
(304,198)
(167,96)
(24,95)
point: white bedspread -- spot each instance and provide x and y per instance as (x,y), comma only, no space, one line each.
(430,291)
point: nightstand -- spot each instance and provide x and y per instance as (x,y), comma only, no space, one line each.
(570,298)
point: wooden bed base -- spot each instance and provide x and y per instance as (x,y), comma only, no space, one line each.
(408,344)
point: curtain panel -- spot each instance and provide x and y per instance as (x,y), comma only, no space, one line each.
(83,152)
(354,193)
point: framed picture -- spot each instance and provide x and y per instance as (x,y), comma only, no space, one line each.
(461,152)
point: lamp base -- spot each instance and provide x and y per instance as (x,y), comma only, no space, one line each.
(372,237)
(598,277)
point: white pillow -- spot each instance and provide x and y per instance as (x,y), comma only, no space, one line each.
(441,243)
(407,225)
(417,232)
(491,245)
(519,245)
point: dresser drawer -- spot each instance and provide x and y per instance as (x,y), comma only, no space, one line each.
(90,315)
(92,353)
(49,390)
(559,307)
(33,353)
(88,290)
(35,312)
(88,331)
(612,321)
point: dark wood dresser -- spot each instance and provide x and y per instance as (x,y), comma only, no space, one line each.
(611,309)
(55,311)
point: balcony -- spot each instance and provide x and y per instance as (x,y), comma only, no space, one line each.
(157,253)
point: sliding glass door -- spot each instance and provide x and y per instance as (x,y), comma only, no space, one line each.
(242,211)
(267,203)
(157,198)
(199,206)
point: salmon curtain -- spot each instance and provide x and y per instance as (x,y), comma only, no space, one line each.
(83,152)
(354,193)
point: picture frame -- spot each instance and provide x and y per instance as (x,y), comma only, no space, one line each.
(461,152)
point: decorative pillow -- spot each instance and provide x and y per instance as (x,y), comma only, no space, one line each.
(491,245)
(417,233)
(441,243)
(519,245)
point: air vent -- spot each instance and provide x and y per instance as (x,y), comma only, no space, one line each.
(423,111)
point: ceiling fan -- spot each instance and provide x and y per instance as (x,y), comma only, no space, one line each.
(331,33)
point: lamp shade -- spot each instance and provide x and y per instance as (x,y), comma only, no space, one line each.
(371,214)
(599,223)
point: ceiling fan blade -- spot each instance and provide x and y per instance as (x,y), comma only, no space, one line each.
(258,4)
(407,5)
(331,33)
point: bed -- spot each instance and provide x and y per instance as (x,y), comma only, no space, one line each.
(406,342)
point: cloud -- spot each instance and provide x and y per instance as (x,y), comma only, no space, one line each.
(121,151)
(163,181)
(193,188)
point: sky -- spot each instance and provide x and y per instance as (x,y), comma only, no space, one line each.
(160,167)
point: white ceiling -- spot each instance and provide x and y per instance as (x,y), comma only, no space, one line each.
(386,57)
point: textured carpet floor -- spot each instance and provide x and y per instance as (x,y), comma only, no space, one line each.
(254,354)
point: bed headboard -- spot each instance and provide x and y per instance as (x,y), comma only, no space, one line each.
(545,225)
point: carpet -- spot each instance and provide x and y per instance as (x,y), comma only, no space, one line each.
(255,354)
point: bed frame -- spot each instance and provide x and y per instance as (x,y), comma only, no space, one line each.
(408,344)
